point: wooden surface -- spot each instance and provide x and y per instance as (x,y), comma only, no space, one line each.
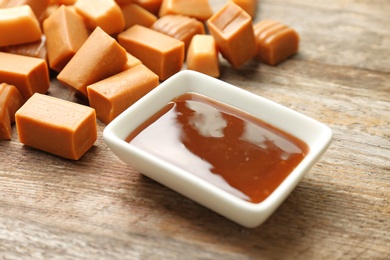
(99,208)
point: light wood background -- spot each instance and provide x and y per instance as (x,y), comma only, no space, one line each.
(100,208)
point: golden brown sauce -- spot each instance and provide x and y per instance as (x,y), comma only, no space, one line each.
(227,147)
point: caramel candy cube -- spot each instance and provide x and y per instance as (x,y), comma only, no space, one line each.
(56,126)
(202,55)
(275,41)
(161,53)
(113,95)
(199,9)
(98,58)
(105,14)
(152,6)
(135,14)
(65,34)
(27,74)
(179,27)
(18,25)
(37,6)
(233,32)
(249,6)
(10,102)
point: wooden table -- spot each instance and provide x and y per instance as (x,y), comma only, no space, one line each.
(98,207)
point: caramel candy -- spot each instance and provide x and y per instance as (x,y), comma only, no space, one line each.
(27,74)
(249,6)
(113,95)
(179,27)
(199,9)
(275,41)
(233,32)
(18,25)
(162,54)
(98,58)
(37,6)
(10,102)
(56,126)
(66,33)
(105,14)
(202,55)
(135,14)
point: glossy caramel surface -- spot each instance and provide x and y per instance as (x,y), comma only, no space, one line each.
(229,148)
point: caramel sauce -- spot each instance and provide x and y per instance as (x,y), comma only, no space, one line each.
(227,147)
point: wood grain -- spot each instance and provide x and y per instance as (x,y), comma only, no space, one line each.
(100,208)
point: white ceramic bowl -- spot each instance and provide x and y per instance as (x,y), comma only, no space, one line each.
(315,134)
